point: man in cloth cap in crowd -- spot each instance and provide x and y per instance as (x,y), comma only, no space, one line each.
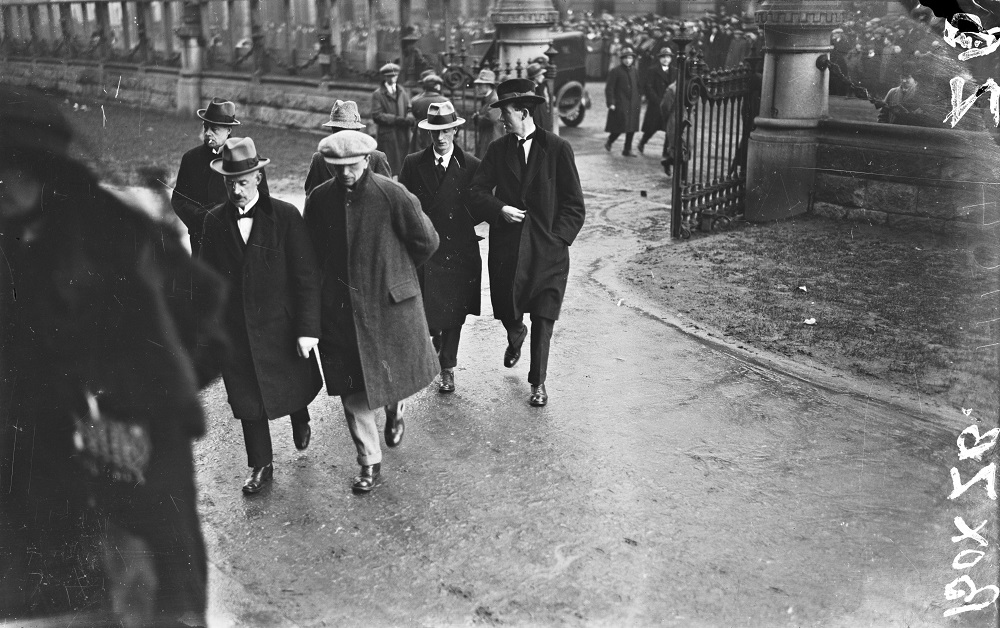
(487,119)
(543,111)
(198,187)
(654,85)
(440,176)
(624,100)
(529,190)
(344,115)
(392,114)
(260,245)
(432,84)
(370,236)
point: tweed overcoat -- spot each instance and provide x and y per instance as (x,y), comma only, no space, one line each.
(394,120)
(379,231)
(488,124)
(622,91)
(450,279)
(654,84)
(421,138)
(274,299)
(319,171)
(529,261)
(199,189)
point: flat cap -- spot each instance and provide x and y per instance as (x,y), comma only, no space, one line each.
(346,147)
(389,68)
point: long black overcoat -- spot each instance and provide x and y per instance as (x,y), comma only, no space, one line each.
(450,279)
(622,91)
(394,120)
(381,234)
(198,189)
(529,261)
(319,170)
(653,86)
(274,299)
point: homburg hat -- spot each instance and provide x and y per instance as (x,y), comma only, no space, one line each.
(219,112)
(239,157)
(346,147)
(516,90)
(344,115)
(441,115)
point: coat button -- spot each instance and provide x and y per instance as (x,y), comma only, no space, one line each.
(447,237)
(451,216)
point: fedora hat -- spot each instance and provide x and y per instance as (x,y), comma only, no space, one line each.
(486,77)
(346,147)
(344,115)
(517,89)
(239,157)
(389,69)
(220,112)
(534,69)
(441,115)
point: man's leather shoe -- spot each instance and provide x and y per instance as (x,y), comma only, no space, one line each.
(394,426)
(257,478)
(628,153)
(447,381)
(607,146)
(641,147)
(365,481)
(301,434)
(538,396)
(513,352)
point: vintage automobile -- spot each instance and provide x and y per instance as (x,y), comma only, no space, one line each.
(571,96)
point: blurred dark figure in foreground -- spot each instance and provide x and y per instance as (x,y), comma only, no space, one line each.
(101,355)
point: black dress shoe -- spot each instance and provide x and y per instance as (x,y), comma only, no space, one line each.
(513,352)
(394,426)
(538,396)
(301,434)
(257,478)
(607,146)
(447,381)
(365,481)
(628,153)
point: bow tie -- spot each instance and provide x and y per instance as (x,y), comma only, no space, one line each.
(247,214)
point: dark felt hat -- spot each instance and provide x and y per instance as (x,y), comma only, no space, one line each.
(516,90)
(220,112)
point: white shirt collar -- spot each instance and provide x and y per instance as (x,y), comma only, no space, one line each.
(445,159)
(249,205)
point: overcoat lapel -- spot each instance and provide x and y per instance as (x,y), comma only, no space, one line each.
(234,242)
(262,236)
(427,170)
(535,159)
(512,156)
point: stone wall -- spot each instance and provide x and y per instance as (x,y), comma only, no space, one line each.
(937,179)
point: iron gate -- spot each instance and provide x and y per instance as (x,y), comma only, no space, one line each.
(713,116)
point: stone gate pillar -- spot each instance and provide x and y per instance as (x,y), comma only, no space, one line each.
(794,96)
(522,28)
(192,57)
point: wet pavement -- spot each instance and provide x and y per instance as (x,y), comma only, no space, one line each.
(673,479)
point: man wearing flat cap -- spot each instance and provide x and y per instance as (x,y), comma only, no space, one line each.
(624,100)
(198,187)
(432,84)
(528,189)
(370,236)
(440,176)
(343,116)
(260,246)
(392,114)
(487,119)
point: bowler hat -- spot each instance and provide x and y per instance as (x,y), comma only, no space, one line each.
(534,69)
(239,157)
(344,115)
(441,115)
(219,112)
(486,77)
(346,147)
(389,69)
(516,90)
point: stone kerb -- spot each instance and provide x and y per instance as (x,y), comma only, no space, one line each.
(939,179)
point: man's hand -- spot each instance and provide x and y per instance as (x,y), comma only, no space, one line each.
(511,213)
(305,345)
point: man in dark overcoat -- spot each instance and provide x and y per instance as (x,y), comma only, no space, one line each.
(370,236)
(432,84)
(529,190)
(624,100)
(343,116)
(393,117)
(198,187)
(260,245)
(654,85)
(440,176)
(543,111)
(487,119)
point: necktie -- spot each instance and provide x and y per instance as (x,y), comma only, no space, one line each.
(520,152)
(247,214)
(440,169)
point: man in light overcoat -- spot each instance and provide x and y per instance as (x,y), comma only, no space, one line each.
(260,245)
(529,190)
(370,236)
(393,116)
(440,176)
